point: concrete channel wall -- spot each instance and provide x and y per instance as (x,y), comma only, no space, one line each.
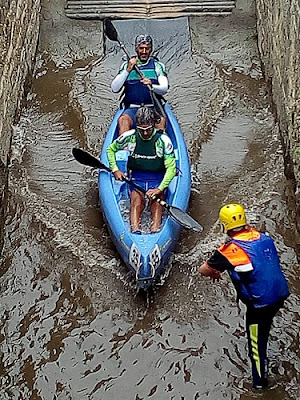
(278,26)
(18,41)
(278,38)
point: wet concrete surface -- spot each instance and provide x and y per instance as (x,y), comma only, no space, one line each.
(72,323)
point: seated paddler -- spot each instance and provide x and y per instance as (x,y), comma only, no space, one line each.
(136,90)
(151,165)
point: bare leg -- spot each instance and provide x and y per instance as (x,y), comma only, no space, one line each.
(161,124)
(125,123)
(136,208)
(156,215)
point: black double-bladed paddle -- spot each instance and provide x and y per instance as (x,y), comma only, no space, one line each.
(112,34)
(180,216)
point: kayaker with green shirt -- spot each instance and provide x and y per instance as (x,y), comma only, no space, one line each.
(136,91)
(151,164)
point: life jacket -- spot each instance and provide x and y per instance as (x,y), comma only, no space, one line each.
(135,91)
(145,157)
(257,275)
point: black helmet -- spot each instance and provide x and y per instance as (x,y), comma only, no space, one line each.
(146,115)
(143,39)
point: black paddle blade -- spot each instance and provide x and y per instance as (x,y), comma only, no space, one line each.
(110,31)
(85,158)
(185,219)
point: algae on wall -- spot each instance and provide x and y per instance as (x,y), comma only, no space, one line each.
(278,26)
(18,42)
(23,23)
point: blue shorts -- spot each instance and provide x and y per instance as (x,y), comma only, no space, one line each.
(131,112)
(146,179)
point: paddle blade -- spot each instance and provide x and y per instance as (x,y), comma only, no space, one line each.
(85,158)
(110,31)
(185,219)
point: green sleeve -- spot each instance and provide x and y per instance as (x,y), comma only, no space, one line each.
(111,155)
(160,69)
(170,165)
(118,144)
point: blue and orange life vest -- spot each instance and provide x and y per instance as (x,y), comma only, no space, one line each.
(135,91)
(257,275)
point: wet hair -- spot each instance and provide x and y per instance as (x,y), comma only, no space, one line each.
(146,115)
(143,39)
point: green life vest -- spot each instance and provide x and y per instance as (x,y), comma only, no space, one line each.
(144,156)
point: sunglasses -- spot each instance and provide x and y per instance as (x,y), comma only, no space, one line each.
(142,129)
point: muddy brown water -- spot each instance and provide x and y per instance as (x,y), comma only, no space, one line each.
(72,323)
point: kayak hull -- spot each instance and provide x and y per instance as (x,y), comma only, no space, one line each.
(145,254)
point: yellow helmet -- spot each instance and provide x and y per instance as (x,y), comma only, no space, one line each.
(232,216)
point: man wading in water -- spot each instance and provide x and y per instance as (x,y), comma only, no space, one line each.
(251,260)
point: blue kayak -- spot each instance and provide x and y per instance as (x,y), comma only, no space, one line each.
(145,254)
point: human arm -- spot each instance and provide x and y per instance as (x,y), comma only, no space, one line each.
(120,143)
(162,86)
(216,264)
(120,79)
(206,270)
(111,155)
(229,257)
(169,161)
(163,83)
(165,146)
(151,193)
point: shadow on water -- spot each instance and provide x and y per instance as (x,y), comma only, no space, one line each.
(72,323)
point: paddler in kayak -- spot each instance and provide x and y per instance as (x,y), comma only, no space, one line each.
(151,164)
(136,91)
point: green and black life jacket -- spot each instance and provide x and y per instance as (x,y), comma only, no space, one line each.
(144,156)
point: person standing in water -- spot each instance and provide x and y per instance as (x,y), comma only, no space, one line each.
(251,259)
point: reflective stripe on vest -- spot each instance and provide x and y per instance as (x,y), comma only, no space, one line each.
(236,255)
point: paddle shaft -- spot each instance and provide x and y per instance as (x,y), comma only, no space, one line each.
(140,189)
(100,165)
